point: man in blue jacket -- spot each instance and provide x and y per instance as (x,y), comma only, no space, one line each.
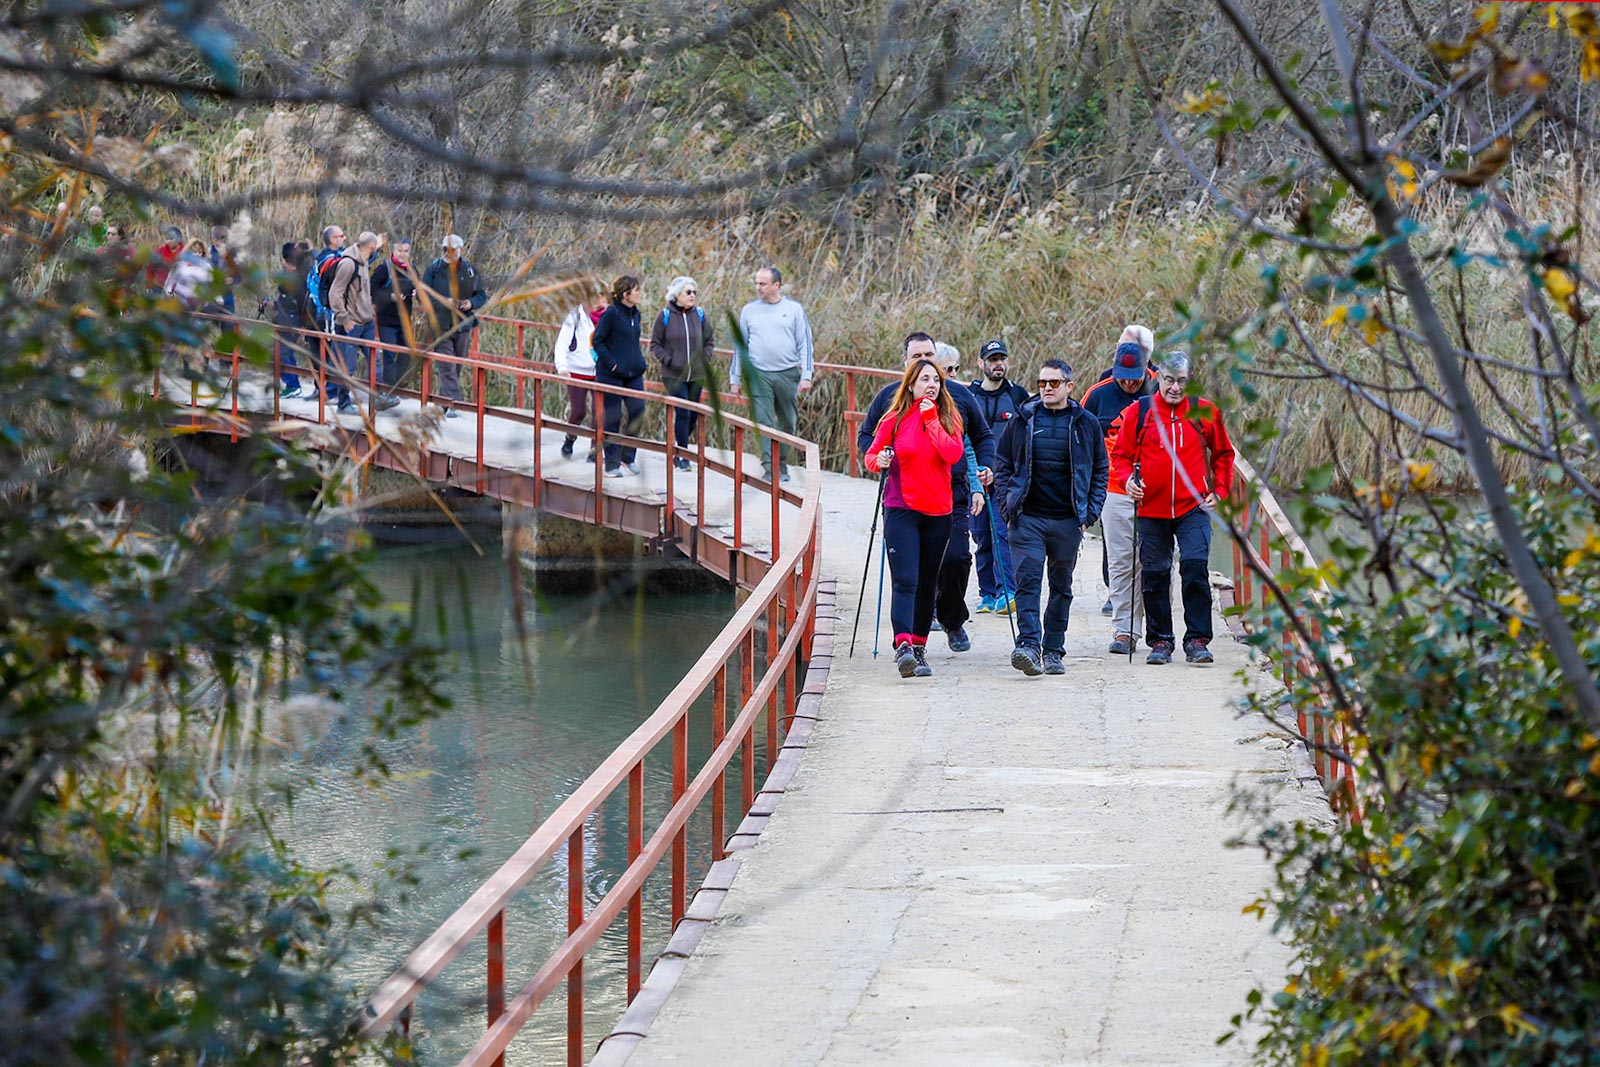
(1001,399)
(1050,484)
(950,605)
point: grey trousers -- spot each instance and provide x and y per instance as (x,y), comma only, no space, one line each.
(1116,525)
(774,401)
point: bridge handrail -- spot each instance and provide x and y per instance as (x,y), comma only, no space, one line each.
(785,598)
(1265,522)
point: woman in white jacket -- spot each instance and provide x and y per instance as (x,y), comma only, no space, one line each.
(575,359)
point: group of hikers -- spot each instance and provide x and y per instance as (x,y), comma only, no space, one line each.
(1136,453)
(1020,473)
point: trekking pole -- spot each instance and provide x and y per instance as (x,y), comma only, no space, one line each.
(866,568)
(877,622)
(1135,553)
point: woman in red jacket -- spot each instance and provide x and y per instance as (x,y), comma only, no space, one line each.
(917,441)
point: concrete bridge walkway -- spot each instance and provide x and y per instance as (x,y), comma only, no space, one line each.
(985,868)
(978,867)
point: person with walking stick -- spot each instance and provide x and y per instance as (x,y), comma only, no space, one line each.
(1050,474)
(1180,448)
(1108,400)
(917,441)
(950,601)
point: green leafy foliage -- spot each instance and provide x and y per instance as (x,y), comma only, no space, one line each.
(1459,919)
(151,628)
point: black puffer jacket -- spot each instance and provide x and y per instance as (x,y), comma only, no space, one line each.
(616,343)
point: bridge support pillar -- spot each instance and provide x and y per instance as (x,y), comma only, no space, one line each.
(564,555)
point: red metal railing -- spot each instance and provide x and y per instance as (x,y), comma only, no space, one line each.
(1271,546)
(779,613)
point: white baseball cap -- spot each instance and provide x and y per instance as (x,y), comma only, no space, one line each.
(453,241)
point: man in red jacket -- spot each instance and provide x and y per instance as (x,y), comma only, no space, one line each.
(1184,460)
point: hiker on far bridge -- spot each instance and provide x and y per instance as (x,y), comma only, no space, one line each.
(775,348)
(1180,449)
(1050,479)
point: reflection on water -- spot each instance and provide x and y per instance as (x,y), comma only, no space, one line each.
(530,722)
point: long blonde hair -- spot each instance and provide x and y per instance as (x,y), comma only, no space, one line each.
(905,399)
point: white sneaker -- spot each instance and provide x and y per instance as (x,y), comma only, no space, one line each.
(631,468)
(614,472)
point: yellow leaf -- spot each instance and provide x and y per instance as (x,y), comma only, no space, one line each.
(1337,316)
(1589,743)
(1514,1021)
(1559,284)
(1488,17)
(1373,328)
(1569,600)
(1574,787)
(1514,627)
(1421,474)
(1594,765)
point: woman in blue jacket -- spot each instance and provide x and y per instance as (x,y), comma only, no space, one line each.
(618,360)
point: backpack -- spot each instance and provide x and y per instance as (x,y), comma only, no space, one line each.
(319,282)
(666,316)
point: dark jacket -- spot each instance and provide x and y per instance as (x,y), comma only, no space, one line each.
(1013,467)
(394,293)
(464,285)
(974,427)
(681,343)
(616,343)
(1001,405)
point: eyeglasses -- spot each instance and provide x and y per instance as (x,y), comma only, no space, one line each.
(1052,383)
(1167,379)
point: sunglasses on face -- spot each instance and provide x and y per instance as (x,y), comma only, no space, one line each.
(1052,383)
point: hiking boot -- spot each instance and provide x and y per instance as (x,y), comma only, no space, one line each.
(566,447)
(348,407)
(1105,609)
(1160,652)
(921,670)
(985,605)
(905,659)
(451,413)
(1196,652)
(1053,664)
(681,463)
(386,403)
(959,641)
(289,392)
(1124,645)
(1026,659)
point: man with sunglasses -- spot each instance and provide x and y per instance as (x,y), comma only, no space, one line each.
(1050,483)
(1184,459)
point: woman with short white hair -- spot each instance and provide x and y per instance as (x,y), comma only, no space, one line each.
(681,341)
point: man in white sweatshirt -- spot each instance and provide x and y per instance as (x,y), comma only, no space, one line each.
(774,350)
